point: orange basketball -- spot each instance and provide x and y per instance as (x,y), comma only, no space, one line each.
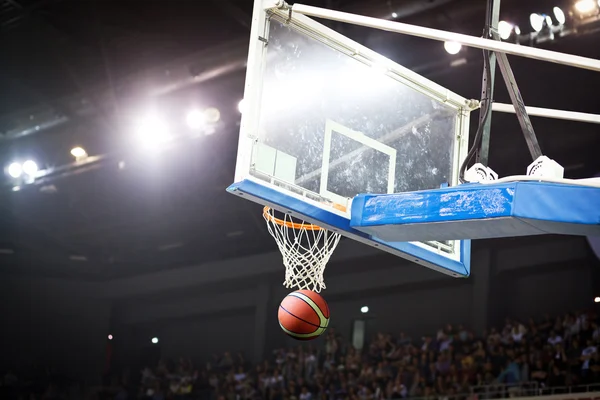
(303,315)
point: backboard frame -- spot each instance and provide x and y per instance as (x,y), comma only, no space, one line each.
(337,219)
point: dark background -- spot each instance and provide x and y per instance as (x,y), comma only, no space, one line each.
(159,249)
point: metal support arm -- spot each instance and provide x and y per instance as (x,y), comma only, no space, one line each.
(436,34)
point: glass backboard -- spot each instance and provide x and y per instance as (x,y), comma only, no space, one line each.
(327,119)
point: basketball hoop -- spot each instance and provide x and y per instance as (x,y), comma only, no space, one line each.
(306,249)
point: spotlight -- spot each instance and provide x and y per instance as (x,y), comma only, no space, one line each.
(517,29)
(559,15)
(195,119)
(30,168)
(79,153)
(364,309)
(597,300)
(504,29)
(452,47)
(153,131)
(536,21)
(15,170)
(242,106)
(154,340)
(110,337)
(394,15)
(548,20)
(585,6)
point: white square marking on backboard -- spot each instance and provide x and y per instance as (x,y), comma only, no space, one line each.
(285,167)
(264,159)
(275,163)
(332,126)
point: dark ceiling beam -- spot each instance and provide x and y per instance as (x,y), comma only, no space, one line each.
(14,3)
(23,12)
(57,41)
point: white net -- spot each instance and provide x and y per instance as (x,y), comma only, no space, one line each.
(305,248)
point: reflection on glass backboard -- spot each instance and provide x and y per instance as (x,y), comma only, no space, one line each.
(332,120)
(335,119)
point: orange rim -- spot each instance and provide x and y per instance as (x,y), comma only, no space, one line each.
(289,224)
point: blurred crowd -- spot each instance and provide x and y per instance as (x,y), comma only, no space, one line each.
(452,363)
(533,356)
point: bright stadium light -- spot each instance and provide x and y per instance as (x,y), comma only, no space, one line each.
(585,6)
(79,153)
(452,47)
(15,170)
(154,340)
(30,168)
(504,29)
(153,131)
(195,119)
(241,106)
(559,14)
(536,21)
(364,309)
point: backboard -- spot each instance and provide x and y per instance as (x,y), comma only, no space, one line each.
(326,119)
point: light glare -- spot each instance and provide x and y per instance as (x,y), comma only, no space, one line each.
(15,170)
(585,6)
(110,337)
(536,21)
(30,167)
(394,15)
(153,131)
(154,340)
(364,309)
(504,29)
(196,119)
(597,300)
(452,47)
(78,152)
(559,15)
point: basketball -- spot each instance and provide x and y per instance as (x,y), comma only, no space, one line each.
(303,315)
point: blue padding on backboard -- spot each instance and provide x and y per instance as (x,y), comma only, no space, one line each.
(267,195)
(480,211)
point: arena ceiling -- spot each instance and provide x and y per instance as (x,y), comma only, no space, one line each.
(72,73)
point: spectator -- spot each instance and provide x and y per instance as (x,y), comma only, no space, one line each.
(554,338)
(586,357)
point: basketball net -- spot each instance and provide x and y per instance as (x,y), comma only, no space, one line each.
(306,249)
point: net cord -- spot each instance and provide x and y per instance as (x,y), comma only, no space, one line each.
(305,248)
